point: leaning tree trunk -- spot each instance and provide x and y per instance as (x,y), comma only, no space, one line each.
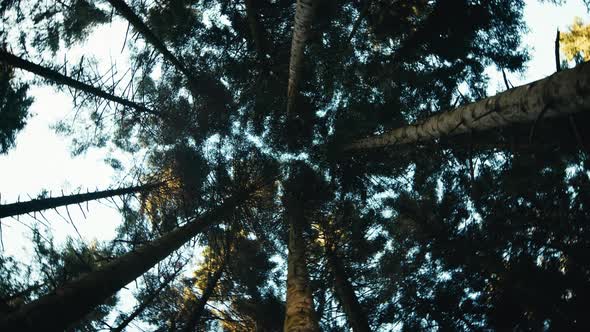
(201,86)
(145,303)
(303,17)
(5,306)
(562,93)
(57,77)
(300,315)
(198,310)
(357,319)
(41,204)
(147,33)
(69,303)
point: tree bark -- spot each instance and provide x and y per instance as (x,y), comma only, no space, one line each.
(144,304)
(69,303)
(562,93)
(357,319)
(149,36)
(300,315)
(303,18)
(199,308)
(40,204)
(57,77)
(5,302)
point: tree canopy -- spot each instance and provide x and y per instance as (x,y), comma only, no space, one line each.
(309,165)
(575,42)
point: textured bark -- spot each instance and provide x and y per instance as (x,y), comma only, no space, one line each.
(562,93)
(57,77)
(303,18)
(41,204)
(144,304)
(71,302)
(149,36)
(300,314)
(357,319)
(198,310)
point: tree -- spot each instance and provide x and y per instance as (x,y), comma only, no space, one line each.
(549,97)
(575,43)
(60,265)
(303,17)
(50,74)
(14,105)
(40,204)
(140,308)
(145,31)
(151,297)
(83,294)
(344,290)
(197,309)
(303,190)
(458,228)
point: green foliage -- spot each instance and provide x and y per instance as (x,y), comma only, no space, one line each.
(175,20)
(14,107)
(80,17)
(484,231)
(57,266)
(13,284)
(58,21)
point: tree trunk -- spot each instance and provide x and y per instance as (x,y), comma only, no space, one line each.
(144,304)
(69,303)
(562,93)
(149,36)
(57,77)
(300,316)
(198,310)
(5,302)
(201,86)
(357,319)
(303,18)
(256,29)
(41,204)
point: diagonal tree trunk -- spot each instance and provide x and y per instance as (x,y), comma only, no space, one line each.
(357,319)
(59,78)
(203,85)
(300,315)
(5,302)
(40,204)
(560,94)
(303,18)
(199,308)
(145,303)
(149,36)
(69,303)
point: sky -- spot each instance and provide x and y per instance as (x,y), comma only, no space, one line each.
(42,159)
